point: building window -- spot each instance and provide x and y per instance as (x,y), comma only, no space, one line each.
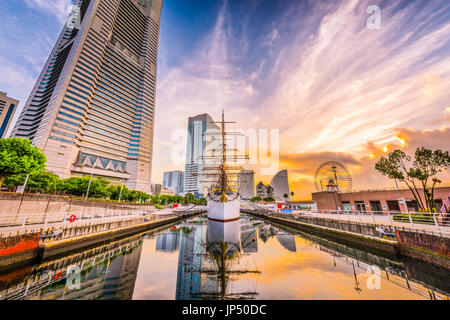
(393,205)
(412,206)
(360,206)
(347,206)
(438,204)
(376,206)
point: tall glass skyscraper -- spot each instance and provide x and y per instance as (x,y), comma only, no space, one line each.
(8,107)
(92,109)
(195,151)
(174,181)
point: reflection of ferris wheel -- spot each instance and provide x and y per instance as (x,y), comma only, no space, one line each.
(333,176)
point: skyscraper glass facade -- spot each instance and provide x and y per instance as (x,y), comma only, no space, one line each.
(92,108)
(8,107)
(196,146)
(174,180)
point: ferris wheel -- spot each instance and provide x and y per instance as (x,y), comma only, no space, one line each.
(333,176)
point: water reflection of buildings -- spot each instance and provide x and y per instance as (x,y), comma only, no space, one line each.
(168,241)
(107,272)
(249,240)
(287,240)
(389,271)
(189,278)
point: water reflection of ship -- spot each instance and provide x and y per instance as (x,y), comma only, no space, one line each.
(210,259)
(226,243)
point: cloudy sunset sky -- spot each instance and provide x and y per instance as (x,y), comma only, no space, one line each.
(335,89)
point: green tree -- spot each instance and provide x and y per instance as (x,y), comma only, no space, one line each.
(285,196)
(99,189)
(78,186)
(114,192)
(292,195)
(255,199)
(41,181)
(17,156)
(269,199)
(190,198)
(418,174)
(427,164)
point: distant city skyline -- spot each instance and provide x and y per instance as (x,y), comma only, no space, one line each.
(335,89)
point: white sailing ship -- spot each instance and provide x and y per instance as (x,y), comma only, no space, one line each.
(223,195)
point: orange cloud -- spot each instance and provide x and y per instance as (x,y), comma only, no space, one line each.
(302,166)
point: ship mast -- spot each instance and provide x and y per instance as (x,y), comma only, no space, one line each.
(224,184)
(220,173)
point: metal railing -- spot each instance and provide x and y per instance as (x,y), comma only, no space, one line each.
(432,223)
(54,224)
(11,223)
(418,220)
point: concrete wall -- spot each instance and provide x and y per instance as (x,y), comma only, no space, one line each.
(427,247)
(15,208)
(18,249)
(348,226)
(380,246)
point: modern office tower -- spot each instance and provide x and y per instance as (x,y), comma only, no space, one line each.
(8,107)
(92,108)
(155,188)
(196,147)
(280,185)
(174,180)
(246,182)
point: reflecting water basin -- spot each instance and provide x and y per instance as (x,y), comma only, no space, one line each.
(246,259)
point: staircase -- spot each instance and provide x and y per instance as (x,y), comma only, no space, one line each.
(444,216)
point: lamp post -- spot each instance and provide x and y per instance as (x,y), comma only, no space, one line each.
(26,181)
(89,186)
(121,188)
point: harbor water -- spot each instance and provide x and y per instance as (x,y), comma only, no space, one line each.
(246,259)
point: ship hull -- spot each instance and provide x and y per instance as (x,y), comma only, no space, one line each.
(224,211)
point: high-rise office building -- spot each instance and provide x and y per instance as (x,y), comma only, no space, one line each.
(92,108)
(196,148)
(280,185)
(246,182)
(8,107)
(174,180)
